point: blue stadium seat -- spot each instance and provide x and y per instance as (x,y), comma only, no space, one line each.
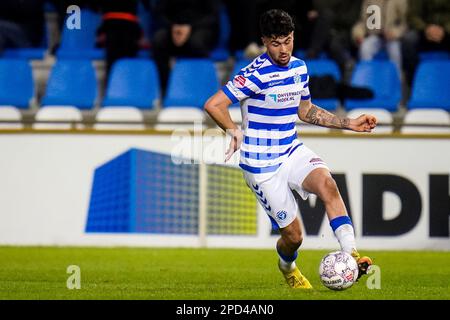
(320,68)
(191,83)
(301,54)
(16,83)
(25,53)
(383,79)
(94,54)
(72,83)
(133,82)
(381,55)
(221,52)
(323,67)
(239,55)
(431,85)
(32,53)
(434,55)
(80,43)
(144,53)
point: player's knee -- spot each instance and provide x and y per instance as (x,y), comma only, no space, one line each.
(298,240)
(329,189)
(295,240)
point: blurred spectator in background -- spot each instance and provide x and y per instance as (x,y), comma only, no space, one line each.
(393,26)
(187,28)
(310,28)
(120,31)
(429,21)
(21,23)
(244,18)
(332,32)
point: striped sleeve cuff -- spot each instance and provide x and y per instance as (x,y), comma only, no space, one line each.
(306,97)
(229,94)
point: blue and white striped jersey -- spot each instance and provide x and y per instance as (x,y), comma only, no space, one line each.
(269,96)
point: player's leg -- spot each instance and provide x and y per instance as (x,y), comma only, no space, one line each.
(310,174)
(320,182)
(279,203)
(287,246)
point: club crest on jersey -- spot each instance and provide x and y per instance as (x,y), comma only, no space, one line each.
(297,78)
(239,81)
(281,215)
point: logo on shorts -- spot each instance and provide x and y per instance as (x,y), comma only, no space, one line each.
(239,81)
(313,160)
(281,215)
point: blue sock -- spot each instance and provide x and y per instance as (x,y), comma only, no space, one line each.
(287,263)
(343,229)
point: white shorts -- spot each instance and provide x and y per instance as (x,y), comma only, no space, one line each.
(275,194)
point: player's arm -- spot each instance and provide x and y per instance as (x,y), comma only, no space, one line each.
(217,108)
(310,113)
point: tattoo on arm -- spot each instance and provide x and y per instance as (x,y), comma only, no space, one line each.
(323,118)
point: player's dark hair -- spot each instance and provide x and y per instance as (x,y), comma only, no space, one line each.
(276,23)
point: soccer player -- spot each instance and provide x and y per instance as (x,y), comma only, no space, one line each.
(273,91)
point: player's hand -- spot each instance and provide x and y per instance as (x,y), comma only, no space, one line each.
(236,139)
(364,123)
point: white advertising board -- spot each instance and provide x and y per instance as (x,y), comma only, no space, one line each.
(396,189)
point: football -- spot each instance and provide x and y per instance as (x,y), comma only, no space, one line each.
(338,270)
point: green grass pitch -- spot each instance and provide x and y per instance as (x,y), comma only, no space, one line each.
(185,274)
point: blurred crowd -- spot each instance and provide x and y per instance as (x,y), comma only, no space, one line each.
(344,30)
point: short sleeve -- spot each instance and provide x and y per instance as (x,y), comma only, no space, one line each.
(241,87)
(305,89)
